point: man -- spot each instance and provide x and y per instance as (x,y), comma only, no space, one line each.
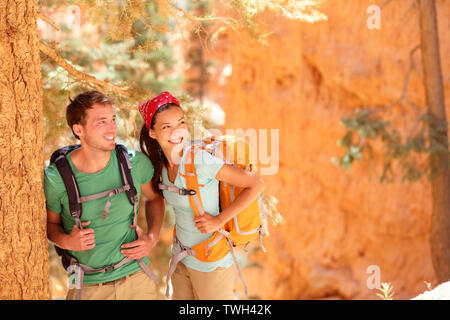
(103,240)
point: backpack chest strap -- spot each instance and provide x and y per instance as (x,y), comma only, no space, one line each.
(193,196)
(175,189)
(109,194)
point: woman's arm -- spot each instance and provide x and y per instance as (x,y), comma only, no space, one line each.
(253,185)
(154,209)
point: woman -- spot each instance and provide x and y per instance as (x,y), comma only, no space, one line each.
(163,139)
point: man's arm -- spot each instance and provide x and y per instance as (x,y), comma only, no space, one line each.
(154,213)
(76,240)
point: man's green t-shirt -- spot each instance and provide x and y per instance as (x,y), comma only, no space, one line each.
(112,232)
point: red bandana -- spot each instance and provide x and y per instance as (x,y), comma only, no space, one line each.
(148,109)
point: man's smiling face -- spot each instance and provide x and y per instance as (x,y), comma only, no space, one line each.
(99,128)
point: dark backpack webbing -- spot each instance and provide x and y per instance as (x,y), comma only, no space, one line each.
(64,169)
(124,163)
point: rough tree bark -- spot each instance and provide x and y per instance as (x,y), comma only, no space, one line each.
(440,220)
(24,272)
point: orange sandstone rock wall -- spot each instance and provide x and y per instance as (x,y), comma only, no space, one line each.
(338,223)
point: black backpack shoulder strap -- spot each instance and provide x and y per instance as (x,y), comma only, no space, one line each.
(125,172)
(73,192)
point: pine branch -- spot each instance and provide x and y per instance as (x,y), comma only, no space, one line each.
(98,84)
(193,18)
(404,93)
(48,20)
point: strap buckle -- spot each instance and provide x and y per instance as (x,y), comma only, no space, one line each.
(124,188)
(75,214)
(187,192)
(108,269)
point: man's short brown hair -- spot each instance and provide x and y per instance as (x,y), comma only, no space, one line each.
(76,110)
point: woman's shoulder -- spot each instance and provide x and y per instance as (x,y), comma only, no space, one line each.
(203,157)
(207,164)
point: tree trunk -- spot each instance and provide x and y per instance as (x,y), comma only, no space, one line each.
(440,219)
(24,270)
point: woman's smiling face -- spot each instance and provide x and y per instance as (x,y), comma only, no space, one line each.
(170,129)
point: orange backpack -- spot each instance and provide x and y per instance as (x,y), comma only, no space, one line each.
(240,230)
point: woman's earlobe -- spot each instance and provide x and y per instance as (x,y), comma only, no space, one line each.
(151,134)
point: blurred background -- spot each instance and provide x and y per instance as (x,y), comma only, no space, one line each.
(341,81)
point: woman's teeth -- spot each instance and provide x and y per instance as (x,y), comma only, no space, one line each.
(177,141)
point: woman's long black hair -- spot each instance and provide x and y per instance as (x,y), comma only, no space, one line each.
(151,148)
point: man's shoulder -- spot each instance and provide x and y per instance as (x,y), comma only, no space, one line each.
(141,166)
(53,180)
(137,156)
(52,174)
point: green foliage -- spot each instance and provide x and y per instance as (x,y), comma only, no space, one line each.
(305,10)
(249,10)
(409,153)
(270,207)
(129,62)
